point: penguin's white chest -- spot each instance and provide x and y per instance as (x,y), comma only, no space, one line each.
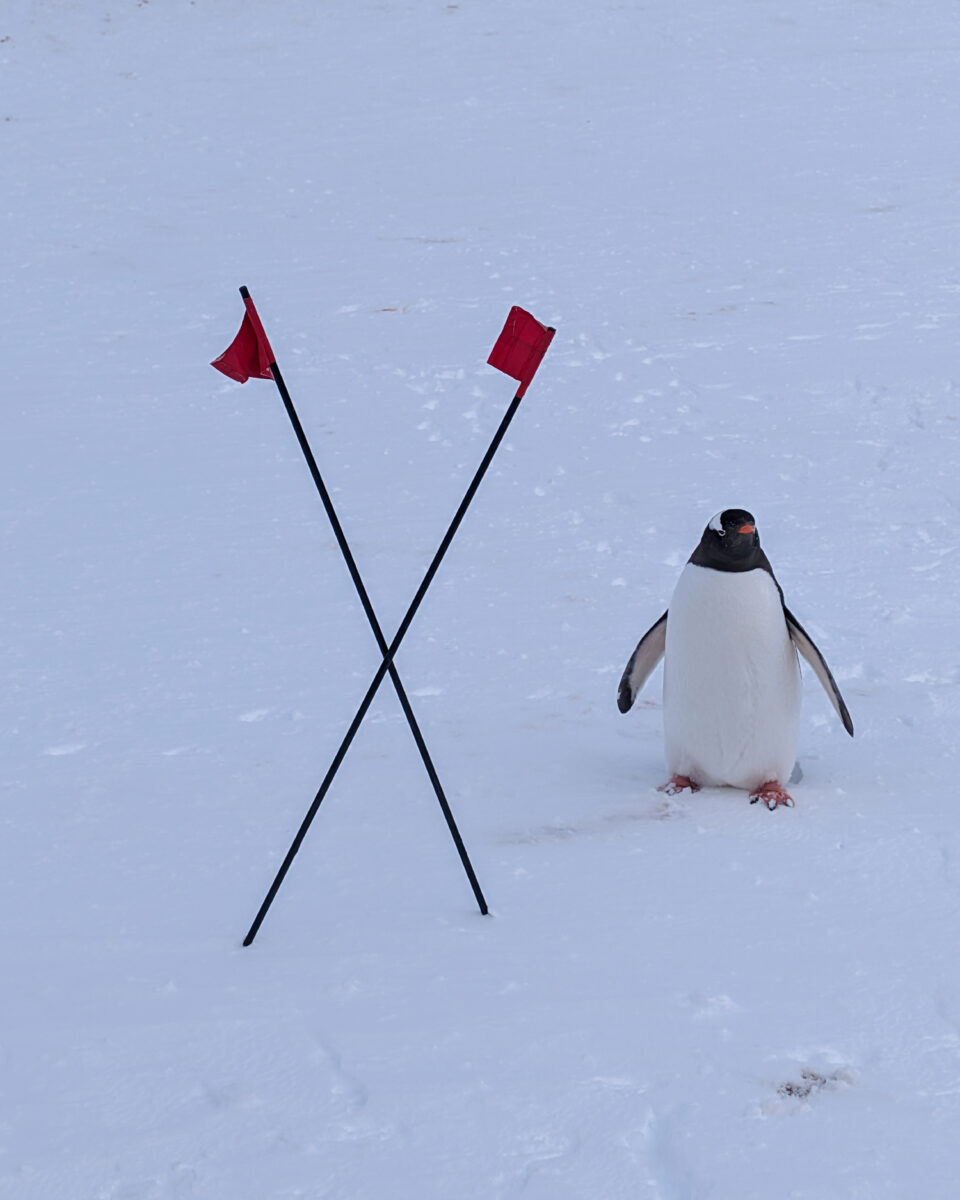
(731,682)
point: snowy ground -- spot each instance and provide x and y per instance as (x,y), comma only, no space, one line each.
(741,215)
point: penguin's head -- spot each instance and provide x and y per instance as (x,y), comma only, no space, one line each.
(733,531)
(730,542)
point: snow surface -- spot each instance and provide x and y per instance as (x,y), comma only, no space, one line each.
(741,216)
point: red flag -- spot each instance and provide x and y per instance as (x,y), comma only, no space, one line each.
(249,355)
(520,347)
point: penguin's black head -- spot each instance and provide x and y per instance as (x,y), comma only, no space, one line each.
(731,543)
(734,531)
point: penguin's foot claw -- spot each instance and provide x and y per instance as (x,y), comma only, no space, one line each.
(773,795)
(678,784)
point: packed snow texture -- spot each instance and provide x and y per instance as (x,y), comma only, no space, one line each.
(742,217)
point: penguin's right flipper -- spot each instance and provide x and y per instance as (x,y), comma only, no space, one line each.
(642,662)
(805,644)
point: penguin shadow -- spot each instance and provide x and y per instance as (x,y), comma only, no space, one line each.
(659,807)
(662,809)
(717,807)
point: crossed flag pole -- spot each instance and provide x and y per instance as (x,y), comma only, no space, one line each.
(517,352)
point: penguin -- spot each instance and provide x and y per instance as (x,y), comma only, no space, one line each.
(731,681)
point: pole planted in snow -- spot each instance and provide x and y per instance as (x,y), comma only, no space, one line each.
(385,666)
(517,352)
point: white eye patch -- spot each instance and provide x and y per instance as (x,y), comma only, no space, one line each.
(716,524)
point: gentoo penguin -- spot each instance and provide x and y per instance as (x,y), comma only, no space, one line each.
(731,681)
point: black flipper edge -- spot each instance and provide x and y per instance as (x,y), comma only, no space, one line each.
(642,663)
(804,643)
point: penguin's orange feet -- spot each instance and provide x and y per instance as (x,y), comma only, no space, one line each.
(772,794)
(678,784)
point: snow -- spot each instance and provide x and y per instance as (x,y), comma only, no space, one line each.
(741,216)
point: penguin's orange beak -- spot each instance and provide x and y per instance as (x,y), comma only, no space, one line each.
(747,529)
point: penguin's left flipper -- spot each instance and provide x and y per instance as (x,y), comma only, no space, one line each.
(804,643)
(642,663)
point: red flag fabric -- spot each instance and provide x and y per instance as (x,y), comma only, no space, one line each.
(249,355)
(520,348)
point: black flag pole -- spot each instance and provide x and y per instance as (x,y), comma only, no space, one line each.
(387,665)
(518,352)
(368,609)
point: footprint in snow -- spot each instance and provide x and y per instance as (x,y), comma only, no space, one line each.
(255,714)
(805,1086)
(67,748)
